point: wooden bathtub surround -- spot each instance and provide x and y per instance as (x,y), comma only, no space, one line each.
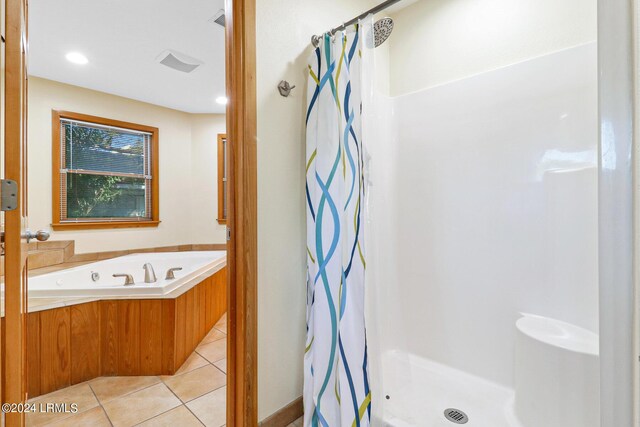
(70,345)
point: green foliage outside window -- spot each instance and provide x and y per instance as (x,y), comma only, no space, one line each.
(105,153)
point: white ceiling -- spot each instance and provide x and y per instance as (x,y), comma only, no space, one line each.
(396,7)
(122,39)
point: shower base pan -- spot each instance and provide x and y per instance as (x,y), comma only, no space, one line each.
(420,390)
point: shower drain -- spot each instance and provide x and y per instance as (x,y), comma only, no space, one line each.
(456,416)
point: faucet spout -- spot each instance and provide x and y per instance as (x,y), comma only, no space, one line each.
(149,273)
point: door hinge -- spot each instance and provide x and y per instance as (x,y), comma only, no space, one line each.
(8,195)
(228,234)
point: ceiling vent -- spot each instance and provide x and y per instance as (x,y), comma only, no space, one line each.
(218,18)
(178,61)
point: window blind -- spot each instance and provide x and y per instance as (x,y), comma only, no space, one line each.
(106,173)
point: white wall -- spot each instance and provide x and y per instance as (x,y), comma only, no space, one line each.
(188,163)
(204,174)
(438,41)
(284,29)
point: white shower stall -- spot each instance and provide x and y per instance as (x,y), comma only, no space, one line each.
(482,237)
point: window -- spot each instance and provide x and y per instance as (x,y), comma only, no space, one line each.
(105,173)
(222,179)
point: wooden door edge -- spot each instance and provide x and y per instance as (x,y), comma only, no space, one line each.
(14,337)
(242,350)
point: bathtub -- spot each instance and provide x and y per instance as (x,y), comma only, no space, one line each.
(556,374)
(141,329)
(96,279)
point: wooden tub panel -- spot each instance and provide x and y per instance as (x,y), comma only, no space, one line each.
(70,345)
(85,339)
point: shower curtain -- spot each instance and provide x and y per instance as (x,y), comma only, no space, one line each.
(336,383)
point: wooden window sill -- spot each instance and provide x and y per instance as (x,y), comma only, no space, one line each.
(103,225)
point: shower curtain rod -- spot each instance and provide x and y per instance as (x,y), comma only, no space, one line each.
(379,8)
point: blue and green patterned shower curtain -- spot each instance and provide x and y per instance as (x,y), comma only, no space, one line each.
(336,384)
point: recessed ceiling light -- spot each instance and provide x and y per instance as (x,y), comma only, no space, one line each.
(77,58)
(221,100)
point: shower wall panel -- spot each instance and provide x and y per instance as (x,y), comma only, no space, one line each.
(484,206)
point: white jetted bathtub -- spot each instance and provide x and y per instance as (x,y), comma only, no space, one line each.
(96,279)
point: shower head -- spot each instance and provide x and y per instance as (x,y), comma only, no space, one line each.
(382,29)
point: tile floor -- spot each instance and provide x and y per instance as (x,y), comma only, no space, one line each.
(194,396)
(297,423)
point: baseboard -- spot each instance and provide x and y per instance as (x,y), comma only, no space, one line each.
(284,416)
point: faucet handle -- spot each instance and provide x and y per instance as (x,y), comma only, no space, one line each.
(170,274)
(128,281)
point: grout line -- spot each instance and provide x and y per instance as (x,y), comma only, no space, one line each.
(211,391)
(68,415)
(185,405)
(203,394)
(225,418)
(162,413)
(192,413)
(209,342)
(225,374)
(157,415)
(100,404)
(194,398)
(130,392)
(212,362)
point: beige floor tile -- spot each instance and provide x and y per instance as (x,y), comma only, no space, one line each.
(213,335)
(194,361)
(213,351)
(178,417)
(296,423)
(196,383)
(222,365)
(109,388)
(92,418)
(140,406)
(80,394)
(221,325)
(211,408)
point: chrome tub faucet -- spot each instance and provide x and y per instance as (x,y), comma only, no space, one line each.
(149,274)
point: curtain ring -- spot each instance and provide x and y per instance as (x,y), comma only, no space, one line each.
(315,41)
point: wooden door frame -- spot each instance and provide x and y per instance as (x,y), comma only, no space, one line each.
(242,257)
(14,325)
(242,248)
